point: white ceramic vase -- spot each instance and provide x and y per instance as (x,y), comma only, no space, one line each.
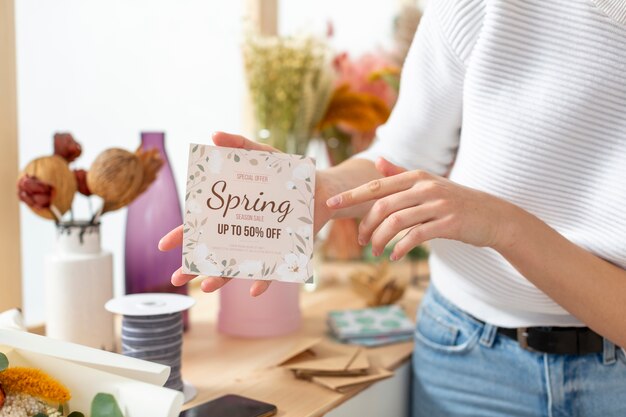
(78,282)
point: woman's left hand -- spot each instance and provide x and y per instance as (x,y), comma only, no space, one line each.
(430,207)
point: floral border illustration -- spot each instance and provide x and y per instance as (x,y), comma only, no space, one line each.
(293,266)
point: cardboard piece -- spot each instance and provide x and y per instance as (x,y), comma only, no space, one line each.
(302,346)
(337,367)
(342,383)
(360,361)
(324,357)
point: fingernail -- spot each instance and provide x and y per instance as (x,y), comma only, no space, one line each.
(393,257)
(333,201)
(361,241)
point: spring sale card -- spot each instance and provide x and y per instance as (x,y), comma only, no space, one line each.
(249,214)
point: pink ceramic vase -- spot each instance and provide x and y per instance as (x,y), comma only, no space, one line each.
(274,313)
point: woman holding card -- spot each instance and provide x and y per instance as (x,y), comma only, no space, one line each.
(508,145)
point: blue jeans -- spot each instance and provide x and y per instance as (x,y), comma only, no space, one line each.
(462,367)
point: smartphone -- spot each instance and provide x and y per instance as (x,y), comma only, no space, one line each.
(231,406)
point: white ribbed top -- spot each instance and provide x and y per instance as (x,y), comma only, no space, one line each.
(530,97)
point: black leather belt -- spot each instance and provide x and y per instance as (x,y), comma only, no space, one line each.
(560,340)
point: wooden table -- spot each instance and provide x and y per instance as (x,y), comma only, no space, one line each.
(217,364)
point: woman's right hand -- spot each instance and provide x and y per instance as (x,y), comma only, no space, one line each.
(174,238)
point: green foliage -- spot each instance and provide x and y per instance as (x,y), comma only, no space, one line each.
(4,362)
(369,257)
(105,405)
(415,254)
(418,253)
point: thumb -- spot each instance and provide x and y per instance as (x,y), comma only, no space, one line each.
(387,168)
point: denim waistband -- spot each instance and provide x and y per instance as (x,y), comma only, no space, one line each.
(438,298)
(489,331)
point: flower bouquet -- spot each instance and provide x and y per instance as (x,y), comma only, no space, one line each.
(365,92)
(41,377)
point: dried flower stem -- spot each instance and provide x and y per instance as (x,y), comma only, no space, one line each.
(290,81)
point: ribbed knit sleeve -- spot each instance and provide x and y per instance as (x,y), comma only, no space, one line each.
(423,129)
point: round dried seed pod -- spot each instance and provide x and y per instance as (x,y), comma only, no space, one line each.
(53,170)
(116,175)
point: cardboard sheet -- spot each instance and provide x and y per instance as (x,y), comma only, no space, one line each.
(341,383)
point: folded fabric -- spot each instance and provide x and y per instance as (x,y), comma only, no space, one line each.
(376,341)
(370,322)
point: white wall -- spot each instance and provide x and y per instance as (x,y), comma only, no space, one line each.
(107,69)
(359,25)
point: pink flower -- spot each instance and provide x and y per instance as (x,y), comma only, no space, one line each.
(360,75)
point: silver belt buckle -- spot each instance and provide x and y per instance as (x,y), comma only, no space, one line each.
(522,338)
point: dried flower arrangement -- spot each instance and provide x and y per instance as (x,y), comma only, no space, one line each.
(30,392)
(377,284)
(365,92)
(298,91)
(366,89)
(48,185)
(290,80)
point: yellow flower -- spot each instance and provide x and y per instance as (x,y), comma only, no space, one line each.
(34,382)
(384,72)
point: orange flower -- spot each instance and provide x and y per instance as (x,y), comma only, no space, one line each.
(361,112)
(34,382)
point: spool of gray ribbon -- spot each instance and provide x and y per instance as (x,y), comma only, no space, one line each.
(152,330)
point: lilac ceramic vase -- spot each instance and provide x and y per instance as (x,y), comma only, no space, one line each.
(150,216)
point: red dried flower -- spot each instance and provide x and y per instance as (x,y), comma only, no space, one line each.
(66,147)
(34,192)
(2,397)
(81,181)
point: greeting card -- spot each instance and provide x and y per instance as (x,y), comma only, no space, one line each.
(249,214)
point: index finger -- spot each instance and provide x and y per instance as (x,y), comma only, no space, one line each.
(374,189)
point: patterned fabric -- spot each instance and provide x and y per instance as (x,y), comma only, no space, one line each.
(370,322)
